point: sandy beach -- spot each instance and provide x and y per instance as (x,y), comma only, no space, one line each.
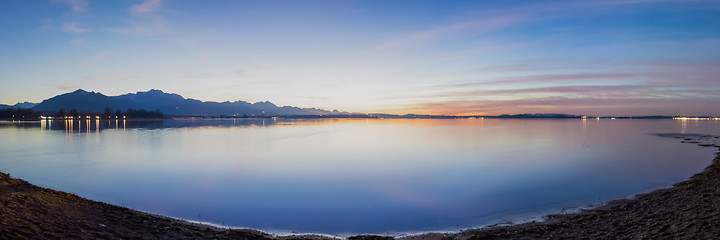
(688,210)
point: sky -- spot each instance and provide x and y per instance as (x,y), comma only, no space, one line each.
(614,57)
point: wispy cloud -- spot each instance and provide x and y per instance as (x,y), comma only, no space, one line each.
(599,106)
(75,5)
(681,71)
(68,87)
(561,89)
(100,55)
(601,91)
(152,27)
(78,41)
(148,6)
(472,27)
(628,87)
(512,68)
(144,22)
(72,27)
(540,78)
(630,2)
(110,78)
(201,51)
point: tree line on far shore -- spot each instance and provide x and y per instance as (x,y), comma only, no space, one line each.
(25,113)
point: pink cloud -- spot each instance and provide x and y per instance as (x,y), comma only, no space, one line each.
(545,78)
(147,6)
(513,68)
(579,106)
(68,87)
(565,89)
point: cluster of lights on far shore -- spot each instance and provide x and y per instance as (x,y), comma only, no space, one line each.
(80,117)
(696,118)
(582,117)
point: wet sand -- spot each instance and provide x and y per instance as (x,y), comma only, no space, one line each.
(688,210)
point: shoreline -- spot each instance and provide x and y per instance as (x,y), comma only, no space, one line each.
(675,211)
(685,209)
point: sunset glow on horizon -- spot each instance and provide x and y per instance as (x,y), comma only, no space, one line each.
(596,58)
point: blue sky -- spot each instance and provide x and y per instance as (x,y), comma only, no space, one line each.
(618,57)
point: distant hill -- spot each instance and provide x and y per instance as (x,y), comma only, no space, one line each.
(25,105)
(19,105)
(170,104)
(538,115)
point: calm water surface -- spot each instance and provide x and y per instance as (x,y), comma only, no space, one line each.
(353,176)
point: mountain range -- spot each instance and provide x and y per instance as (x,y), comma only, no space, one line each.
(172,104)
(19,105)
(169,103)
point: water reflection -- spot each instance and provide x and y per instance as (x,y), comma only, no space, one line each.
(98,125)
(352,176)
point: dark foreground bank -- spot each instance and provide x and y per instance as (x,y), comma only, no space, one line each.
(690,209)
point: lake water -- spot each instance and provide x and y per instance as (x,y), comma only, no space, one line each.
(353,176)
